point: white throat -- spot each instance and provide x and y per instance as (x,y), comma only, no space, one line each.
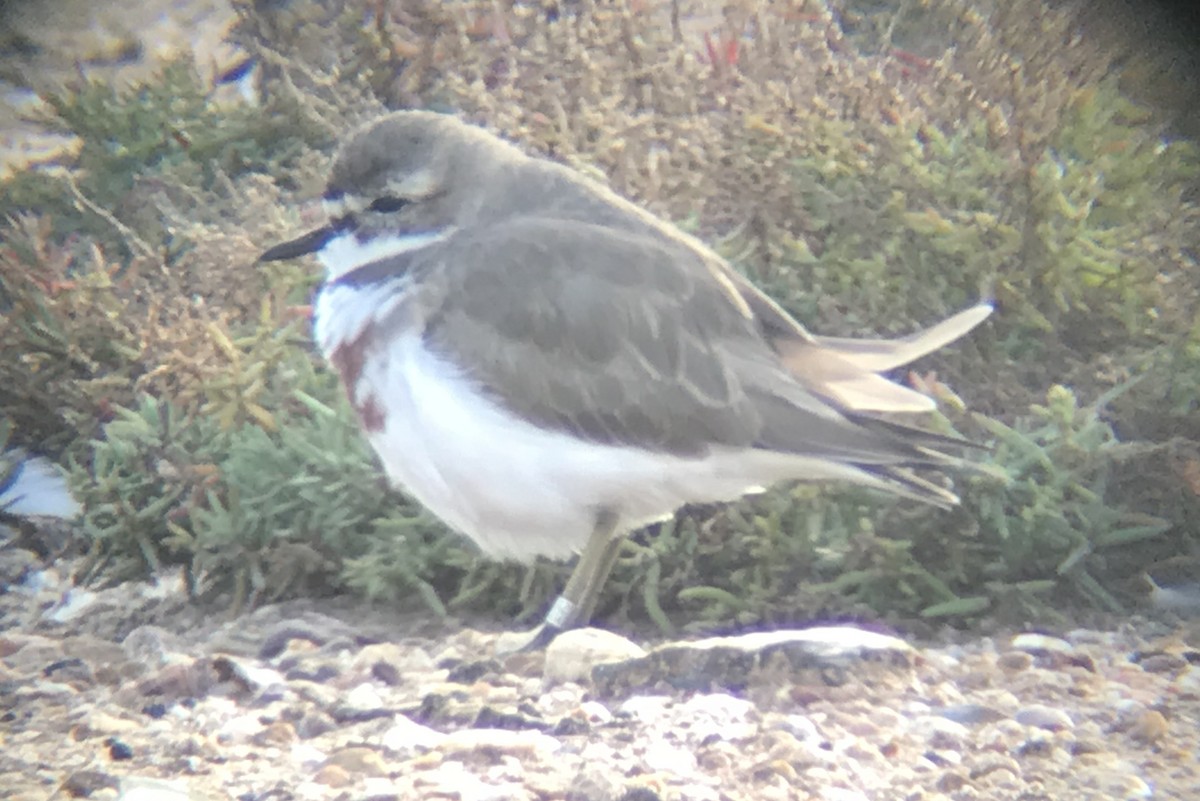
(344,311)
(345,252)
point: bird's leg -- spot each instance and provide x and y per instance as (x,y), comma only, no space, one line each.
(578,599)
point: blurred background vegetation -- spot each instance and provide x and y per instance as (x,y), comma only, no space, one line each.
(873,165)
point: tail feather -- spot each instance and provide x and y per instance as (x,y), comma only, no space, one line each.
(846,370)
(877,355)
(903,482)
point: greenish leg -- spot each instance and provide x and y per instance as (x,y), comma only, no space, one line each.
(577,602)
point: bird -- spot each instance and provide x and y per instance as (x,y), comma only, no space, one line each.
(33,486)
(548,367)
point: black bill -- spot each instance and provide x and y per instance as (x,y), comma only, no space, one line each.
(302,246)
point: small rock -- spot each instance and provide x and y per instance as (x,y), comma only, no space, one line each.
(1163,663)
(821,656)
(388,662)
(572,655)
(645,707)
(970,714)
(101,724)
(1039,644)
(671,758)
(314,723)
(941,732)
(1044,717)
(363,703)
(248,677)
(717,715)
(73,670)
(993,764)
(1115,785)
(640,794)
(801,727)
(119,750)
(139,788)
(451,779)
(74,603)
(364,696)
(594,781)
(334,776)
(1187,684)
(841,794)
(278,733)
(242,728)
(1014,661)
(358,761)
(148,646)
(26,653)
(517,743)
(595,712)
(406,735)
(1150,727)
(84,783)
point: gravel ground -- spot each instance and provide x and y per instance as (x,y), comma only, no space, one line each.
(134,693)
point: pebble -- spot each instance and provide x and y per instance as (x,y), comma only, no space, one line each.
(1186,685)
(389,662)
(1039,644)
(800,727)
(716,715)
(970,714)
(666,757)
(572,655)
(1044,717)
(529,743)
(358,761)
(1015,661)
(1149,727)
(334,776)
(140,788)
(405,736)
(444,720)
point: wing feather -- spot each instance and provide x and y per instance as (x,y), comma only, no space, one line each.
(641,346)
(632,348)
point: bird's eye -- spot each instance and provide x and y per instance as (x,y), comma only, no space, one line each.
(387,203)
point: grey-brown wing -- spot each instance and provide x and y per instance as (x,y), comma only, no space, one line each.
(625,339)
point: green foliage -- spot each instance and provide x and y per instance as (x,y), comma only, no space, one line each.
(152,466)
(934,218)
(109,262)
(161,138)
(253,513)
(865,188)
(1101,198)
(1055,518)
(70,336)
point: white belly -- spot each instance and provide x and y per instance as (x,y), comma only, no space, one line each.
(520,491)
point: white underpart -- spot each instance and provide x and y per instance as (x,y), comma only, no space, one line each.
(521,491)
(517,490)
(342,312)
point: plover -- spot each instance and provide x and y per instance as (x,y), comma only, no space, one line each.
(547,367)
